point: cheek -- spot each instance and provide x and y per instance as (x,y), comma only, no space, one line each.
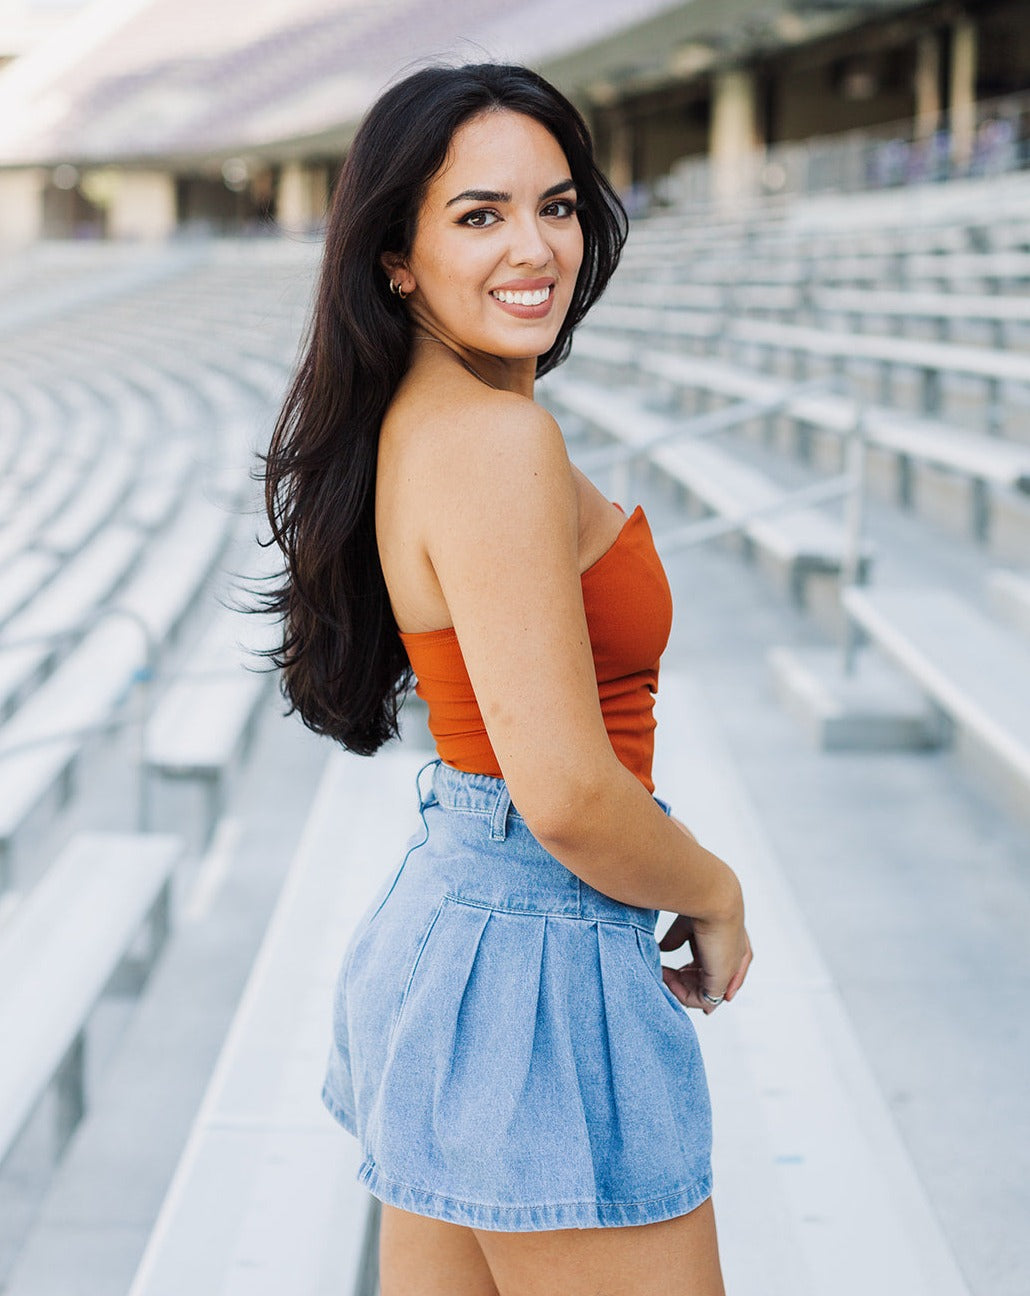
(572,253)
(460,273)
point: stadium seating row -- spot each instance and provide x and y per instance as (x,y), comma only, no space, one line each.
(690,337)
(126,458)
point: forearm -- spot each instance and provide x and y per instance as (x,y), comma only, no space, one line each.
(617,839)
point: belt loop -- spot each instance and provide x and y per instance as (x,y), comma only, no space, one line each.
(498,825)
(424,801)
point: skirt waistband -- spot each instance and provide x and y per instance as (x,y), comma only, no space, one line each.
(476,794)
(512,870)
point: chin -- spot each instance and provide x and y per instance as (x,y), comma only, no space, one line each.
(528,346)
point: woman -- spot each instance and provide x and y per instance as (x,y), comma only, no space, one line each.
(518,1066)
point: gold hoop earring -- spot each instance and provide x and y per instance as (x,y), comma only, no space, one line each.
(397,289)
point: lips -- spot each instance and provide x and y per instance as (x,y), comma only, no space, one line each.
(525,285)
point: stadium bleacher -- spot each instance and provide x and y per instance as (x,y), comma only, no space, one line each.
(127,419)
(126,488)
(648,342)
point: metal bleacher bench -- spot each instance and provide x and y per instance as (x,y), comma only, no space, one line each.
(946,309)
(46,725)
(40,743)
(800,540)
(977,672)
(1009,593)
(1001,315)
(265,1198)
(21,575)
(981,459)
(66,943)
(931,360)
(203,723)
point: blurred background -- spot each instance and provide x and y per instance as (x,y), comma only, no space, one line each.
(812,368)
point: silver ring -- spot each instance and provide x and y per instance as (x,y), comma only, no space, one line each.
(712,999)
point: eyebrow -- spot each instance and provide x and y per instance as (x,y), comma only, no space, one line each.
(494,195)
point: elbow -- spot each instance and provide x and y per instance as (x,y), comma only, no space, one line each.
(566,811)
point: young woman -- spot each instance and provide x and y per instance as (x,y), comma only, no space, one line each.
(519,1068)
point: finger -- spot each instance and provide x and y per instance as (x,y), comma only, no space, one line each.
(709,986)
(679,930)
(737,980)
(676,933)
(686,984)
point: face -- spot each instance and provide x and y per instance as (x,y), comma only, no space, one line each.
(498,244)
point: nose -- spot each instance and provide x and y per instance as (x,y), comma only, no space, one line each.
(529,244)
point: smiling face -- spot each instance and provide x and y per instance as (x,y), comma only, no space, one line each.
(498,244)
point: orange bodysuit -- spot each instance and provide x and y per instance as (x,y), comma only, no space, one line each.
(629,616)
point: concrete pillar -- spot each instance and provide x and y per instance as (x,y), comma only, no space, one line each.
(302,196)
(962,90)
(142,205)
(927,86)
(21,206)
(320,190)
(620,151)
(733,139)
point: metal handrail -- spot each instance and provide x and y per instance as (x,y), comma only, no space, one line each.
(850,567)
(142,677)
(849,485)
(707,424)
(911,152)
(709,528)
(60,735)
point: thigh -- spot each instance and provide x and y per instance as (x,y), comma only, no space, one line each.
(679,1257)
(419,1256)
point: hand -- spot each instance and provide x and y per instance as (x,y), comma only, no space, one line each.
(721,952)
(721,956)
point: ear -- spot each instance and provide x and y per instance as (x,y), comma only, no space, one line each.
(397,269)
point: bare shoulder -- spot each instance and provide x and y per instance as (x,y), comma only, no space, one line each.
(471,450)
(494,429)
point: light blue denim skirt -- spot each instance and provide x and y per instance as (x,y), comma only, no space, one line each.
(504,1047)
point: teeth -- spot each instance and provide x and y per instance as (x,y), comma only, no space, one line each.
(535,298)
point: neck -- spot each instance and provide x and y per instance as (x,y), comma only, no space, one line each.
(517,375)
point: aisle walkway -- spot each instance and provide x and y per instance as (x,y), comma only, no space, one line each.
(814,1191)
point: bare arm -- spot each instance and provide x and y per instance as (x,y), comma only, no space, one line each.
(500,528)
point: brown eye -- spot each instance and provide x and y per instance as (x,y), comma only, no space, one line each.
(566,205)
(479,219)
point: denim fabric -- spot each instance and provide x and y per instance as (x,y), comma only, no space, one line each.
(504,1047)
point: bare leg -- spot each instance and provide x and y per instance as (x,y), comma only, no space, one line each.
(678,1257)
(419,1256)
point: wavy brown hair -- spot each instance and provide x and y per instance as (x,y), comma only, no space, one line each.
(343,666)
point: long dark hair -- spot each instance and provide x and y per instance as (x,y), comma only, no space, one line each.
(343,666)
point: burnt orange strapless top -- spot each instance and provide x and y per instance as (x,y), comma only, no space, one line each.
(629,616)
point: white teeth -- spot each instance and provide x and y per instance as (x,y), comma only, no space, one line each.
(535,298)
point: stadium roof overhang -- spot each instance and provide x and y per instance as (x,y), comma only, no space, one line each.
(605,51)
(701,36)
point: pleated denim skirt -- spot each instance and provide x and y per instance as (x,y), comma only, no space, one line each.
(503,1045)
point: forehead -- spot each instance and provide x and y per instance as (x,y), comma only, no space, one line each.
(500,150)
